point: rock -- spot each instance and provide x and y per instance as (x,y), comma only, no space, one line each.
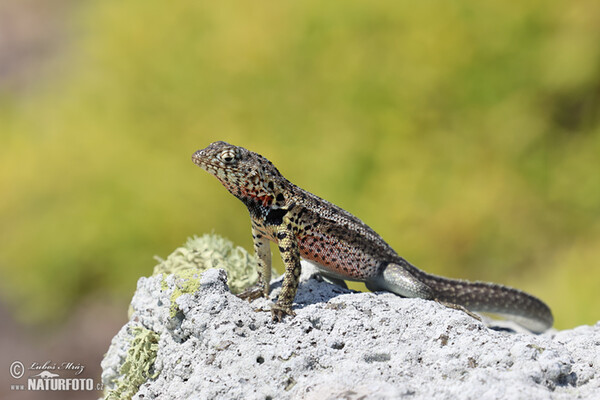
(340,345)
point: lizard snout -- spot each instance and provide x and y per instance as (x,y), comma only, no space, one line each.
(197,157)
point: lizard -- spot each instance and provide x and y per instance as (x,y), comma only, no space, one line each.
(341,246)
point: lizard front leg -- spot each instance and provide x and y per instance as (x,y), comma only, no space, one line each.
(288,247)
(262,251)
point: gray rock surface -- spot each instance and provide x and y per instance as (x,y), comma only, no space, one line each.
(344,345)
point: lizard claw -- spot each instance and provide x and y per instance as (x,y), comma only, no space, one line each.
(460,308)
(278,312)
(252,293)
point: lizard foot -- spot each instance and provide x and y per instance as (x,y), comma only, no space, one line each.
(252,293)
(278,312)
(460,308)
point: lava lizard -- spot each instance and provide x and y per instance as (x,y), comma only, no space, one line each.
(340,245)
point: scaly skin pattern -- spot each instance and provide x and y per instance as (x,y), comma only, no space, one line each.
(341,245)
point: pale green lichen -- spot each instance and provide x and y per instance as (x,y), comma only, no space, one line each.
(201,253)
(186,263)
(138,366)
(188,282)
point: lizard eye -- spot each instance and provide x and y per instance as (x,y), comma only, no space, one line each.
(228,156)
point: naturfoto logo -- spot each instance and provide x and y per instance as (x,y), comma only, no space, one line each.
(48,377)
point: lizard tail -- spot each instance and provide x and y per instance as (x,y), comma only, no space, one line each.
(407,280)
(521,307)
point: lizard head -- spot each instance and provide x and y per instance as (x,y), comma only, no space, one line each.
(247,175)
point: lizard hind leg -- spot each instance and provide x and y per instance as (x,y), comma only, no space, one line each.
(398,279)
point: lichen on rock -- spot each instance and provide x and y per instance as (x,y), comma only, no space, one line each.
(138,365)
(201,253)
(211,251)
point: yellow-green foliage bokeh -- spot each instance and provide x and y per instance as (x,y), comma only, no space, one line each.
(466,133)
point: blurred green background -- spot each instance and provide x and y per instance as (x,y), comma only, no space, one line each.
(466,133)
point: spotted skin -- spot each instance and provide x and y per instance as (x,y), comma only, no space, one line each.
(340,245)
